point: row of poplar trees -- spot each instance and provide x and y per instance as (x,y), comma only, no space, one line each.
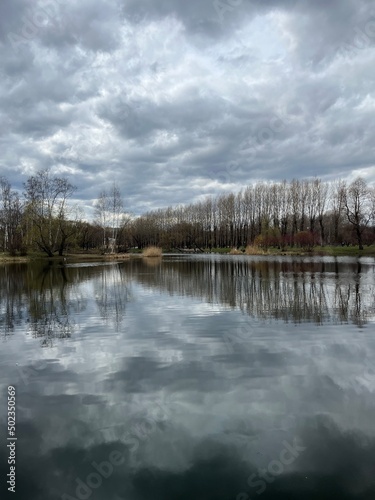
(285,213)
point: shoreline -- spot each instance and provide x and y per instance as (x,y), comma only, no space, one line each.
(84,257)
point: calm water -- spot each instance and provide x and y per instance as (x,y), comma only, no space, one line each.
(194,377)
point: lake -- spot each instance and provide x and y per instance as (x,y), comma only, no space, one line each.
(197,377)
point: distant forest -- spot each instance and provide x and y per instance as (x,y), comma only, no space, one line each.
(302,213)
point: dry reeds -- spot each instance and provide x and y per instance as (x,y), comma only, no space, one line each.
(253,250)
(152,252)
(235,251)
(117,256)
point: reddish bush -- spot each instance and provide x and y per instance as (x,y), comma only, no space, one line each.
(305,240)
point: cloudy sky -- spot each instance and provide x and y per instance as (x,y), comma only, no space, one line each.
(177,99)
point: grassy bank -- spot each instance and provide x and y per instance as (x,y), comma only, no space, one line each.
(335,251)
(74,257)
(294,251)
(346,251)
(4,258)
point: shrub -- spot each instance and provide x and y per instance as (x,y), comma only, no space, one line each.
(268,238)
(152,252)
(305,240)
(254,250)
(234,251)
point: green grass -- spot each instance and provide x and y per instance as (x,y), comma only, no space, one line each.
(318,250)
(5,257)
(220,250)
(345,251)
(368,251)
(326,250)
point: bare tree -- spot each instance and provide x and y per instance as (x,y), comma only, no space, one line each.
(359,207)
(10,218)
(69,226)
(294,198)
(338,189)
(116,208)
(101,214)
(46,206)
(284,207)
(311,195)
(321,190)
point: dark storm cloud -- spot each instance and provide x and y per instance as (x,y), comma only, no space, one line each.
(176,99)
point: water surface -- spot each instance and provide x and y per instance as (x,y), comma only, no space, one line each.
(200,377)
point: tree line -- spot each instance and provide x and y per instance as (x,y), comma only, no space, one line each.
(296,213)
(299,212)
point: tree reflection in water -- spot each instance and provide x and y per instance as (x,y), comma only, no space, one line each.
(295,291)
(111,294)
(45,299)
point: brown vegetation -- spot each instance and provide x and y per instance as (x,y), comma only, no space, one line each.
(235,251)
(254,250)
(117,256)
(152,252)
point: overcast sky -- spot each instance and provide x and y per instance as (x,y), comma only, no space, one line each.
(177,99)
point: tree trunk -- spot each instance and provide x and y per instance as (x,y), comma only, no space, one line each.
(322,235)
(359,238)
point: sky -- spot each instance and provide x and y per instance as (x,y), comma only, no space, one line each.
(176,100)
